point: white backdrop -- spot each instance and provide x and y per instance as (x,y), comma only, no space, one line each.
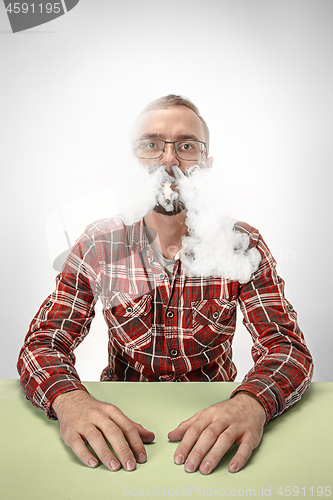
(260,72)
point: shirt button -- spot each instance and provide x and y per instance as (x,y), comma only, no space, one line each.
(173,352)
(290,307)
(48,304)
(178,379)
(170,314)
(215,315)
(129,309)
(162,276)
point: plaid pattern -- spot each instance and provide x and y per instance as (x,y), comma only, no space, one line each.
(161,330)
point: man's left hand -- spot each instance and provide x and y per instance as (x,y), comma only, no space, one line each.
(239,420)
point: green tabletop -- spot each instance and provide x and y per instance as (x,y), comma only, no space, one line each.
(295,458)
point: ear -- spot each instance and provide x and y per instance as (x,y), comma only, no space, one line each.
(209,162)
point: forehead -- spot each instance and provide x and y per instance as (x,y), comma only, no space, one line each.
(170,123)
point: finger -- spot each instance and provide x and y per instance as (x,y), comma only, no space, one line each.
(189,439)
(113,434)
(241,457)
(116,438)
(146,435)
(204,443)
(135,442)
(81,451)
(222,444)
(131,430)
(178,433)
(117,416)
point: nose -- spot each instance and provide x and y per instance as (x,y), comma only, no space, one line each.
(169,158)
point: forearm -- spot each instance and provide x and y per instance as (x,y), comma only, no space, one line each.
(46,372)
(68,400)
(283,365)
(46,361)
(279,377)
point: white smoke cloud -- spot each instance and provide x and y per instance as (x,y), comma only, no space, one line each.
(138,190)
(212,247)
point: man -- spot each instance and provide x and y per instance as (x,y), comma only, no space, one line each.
(164,324)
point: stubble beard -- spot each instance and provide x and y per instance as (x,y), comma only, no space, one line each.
(178,206)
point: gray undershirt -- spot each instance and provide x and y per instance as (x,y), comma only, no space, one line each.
(167,264)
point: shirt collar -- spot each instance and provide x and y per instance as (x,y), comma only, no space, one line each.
(138,236)
(139,239)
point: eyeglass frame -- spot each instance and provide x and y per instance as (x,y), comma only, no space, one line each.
(174,148)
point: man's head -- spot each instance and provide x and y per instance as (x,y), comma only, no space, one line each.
(171,100)
(170,131)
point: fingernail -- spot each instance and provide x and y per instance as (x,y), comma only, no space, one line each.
(142,458)
(205,468)
(92,462)
(233,467)
(114,465)
(130,465)
(189,467)
(179,459)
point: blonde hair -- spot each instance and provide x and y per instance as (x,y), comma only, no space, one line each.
(177,100)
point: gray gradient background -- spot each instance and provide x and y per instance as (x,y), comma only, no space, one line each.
(260,72)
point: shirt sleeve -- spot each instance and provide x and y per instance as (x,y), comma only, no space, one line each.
(283,365)
(46,361)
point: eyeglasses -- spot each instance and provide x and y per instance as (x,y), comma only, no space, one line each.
(150,149)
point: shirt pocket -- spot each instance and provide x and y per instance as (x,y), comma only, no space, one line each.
(130,321)
(213,321)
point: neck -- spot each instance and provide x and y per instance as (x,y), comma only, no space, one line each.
(166,232)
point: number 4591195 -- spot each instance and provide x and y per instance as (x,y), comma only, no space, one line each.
(295,491)
(24,8)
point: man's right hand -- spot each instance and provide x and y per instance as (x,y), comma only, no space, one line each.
(83,419)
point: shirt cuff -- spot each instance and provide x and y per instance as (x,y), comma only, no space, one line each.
(267,394)
(52,388)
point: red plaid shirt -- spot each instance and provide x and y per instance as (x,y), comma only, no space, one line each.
(161,330)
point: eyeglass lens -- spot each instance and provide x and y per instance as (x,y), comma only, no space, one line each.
(185,150)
